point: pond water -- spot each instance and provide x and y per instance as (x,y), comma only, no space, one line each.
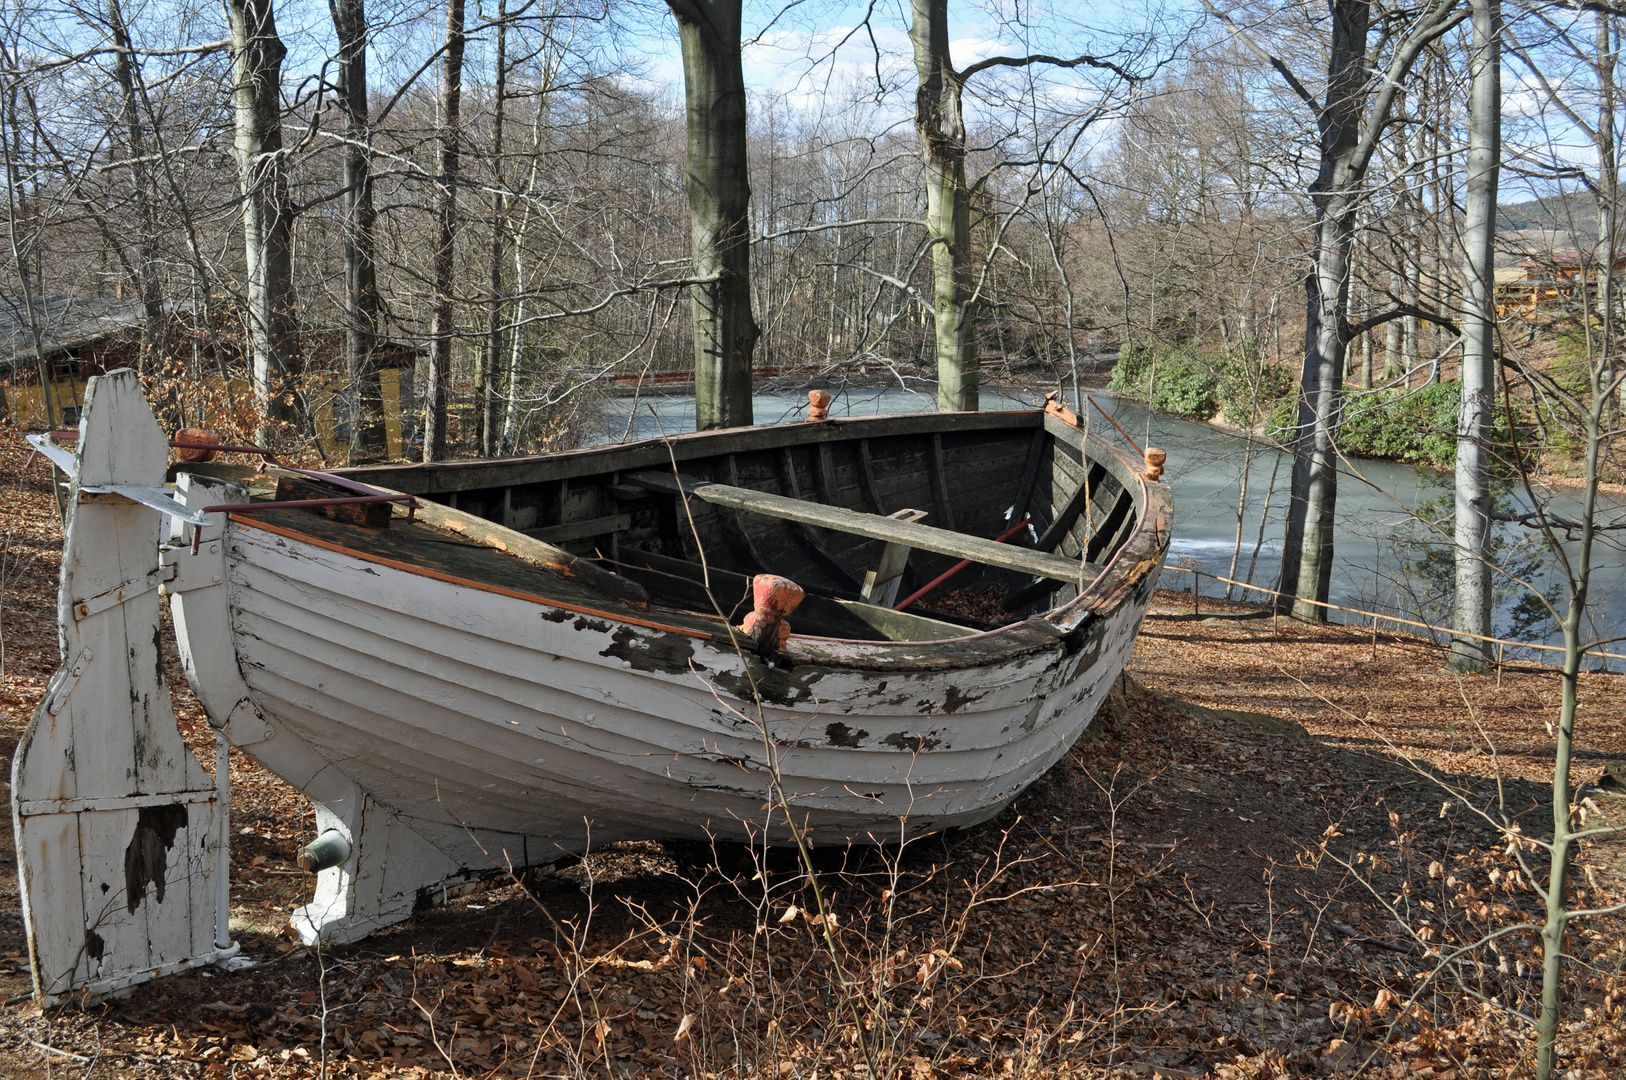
(1381,562)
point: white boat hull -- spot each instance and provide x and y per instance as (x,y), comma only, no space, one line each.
(450,728)
(494,724)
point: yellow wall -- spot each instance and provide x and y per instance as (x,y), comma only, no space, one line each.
(26,405)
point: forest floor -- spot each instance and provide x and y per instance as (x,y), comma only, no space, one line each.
(1250,865)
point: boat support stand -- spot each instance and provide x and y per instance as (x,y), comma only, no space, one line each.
(374,869)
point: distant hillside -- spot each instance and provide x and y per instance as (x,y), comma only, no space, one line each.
(1538,228)
(1563,214)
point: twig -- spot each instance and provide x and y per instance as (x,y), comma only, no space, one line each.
(1356,935)
(59,1053)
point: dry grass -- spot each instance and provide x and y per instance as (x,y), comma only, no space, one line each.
(1242,869)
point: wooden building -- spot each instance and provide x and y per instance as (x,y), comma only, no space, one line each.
(85,336)
(1547,283)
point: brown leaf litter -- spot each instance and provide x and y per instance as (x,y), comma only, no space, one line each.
(1252,864)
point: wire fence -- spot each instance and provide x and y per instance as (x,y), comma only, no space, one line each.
(1501,643)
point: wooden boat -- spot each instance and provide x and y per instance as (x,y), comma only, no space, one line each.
(562,651)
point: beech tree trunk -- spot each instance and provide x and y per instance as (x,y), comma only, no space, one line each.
(268,215)
(941,127)
(1394,364)
(1471,612)
(154,325)
(486,405)
(1308,547)
(1608,196)
(717,179)
(1349,131)
(440,329)
(362,405)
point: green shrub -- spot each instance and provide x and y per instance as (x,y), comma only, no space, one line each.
(1184,386)
(1250,388)
(1184,383)
(1135,359)
(1171,380)
(1404,425)
(1418,426)
(1283,415)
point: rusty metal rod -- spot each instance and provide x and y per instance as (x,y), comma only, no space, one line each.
(1114,423)
(957,567)
(271,458)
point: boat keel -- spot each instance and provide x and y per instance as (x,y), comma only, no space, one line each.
(390,870)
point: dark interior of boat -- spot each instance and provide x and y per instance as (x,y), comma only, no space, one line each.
(976,474)
(867,516)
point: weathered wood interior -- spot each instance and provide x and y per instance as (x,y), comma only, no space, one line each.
(973,473)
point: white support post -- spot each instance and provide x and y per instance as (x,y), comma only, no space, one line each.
(223,940)
(117,823)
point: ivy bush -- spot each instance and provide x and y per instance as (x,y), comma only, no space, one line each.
(1199,386)
(1418,426)
(1404,425)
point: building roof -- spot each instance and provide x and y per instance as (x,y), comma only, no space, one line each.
(1568,260)
(66,322)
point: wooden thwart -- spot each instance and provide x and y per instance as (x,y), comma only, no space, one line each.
(875,527)
(581,530)
(881,584)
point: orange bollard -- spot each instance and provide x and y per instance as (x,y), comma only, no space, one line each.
(196,435)
(818,405)
(773,598)
(1154,464)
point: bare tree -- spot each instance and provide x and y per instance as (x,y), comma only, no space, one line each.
(941,125)
(146,283)
(940,122)
(486,390)
(1363,79)
(717,179)
(23,241)
(363,405)
(268,212)
(1472,607)
(442,328)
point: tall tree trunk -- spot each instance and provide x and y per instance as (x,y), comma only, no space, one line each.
(363,401)
(717,179)
(941,127)
(490,436)
(1394,364)
(154,325)
(1471,612)
(1411,296)
(1608,199)
(11,138)
(516,343)
(268,214)
(1349,131)
(440,329)
(1308,546)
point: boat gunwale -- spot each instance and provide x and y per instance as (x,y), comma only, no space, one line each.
(1139,555)
(686,445)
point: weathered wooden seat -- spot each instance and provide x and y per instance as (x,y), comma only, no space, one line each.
(873,526)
